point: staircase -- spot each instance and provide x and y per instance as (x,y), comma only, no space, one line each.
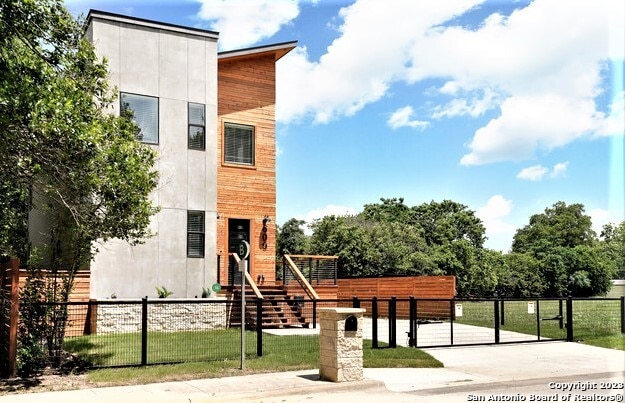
(279,310)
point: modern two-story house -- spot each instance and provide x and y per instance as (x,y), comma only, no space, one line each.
(211,118)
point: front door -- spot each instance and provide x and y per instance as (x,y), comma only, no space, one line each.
(238,230)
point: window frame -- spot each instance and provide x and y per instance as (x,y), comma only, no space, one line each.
(201,234)
(192,125)
(252,142)
(121,109)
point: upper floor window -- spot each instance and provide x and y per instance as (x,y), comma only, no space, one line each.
(195,234)
(196,126)
(145,115)
(238,144)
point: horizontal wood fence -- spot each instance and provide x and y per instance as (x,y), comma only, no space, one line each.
(12,279)
(421,287)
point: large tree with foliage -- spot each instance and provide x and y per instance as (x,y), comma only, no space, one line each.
(59,144)
(613,242)
(291,238)
(67,165)
(570,259)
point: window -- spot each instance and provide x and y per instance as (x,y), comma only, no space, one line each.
(238,144)
(195,234)
(196,126)
(145,115)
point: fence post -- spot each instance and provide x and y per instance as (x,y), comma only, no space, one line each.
(538,318)
(9,369)
(452,313)
(412,323)
(502,320)
(314,320)
(569,319)
(259,327)
(561,318)
(623,315)
(144,331)
(374,322)
(392,322)
(496,317)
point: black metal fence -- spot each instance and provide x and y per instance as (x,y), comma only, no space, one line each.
(126,333)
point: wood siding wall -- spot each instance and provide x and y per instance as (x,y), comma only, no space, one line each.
(246,95)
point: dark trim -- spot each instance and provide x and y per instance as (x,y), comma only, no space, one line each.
(93,14)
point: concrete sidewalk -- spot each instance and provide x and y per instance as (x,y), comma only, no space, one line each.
(468,372)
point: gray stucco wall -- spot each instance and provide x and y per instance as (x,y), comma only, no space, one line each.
(176,67)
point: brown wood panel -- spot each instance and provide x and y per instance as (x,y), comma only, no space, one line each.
(423,287)
(246,95)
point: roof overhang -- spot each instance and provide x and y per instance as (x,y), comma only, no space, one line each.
(277,50)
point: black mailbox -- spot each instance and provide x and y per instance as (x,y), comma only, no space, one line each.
(351,324)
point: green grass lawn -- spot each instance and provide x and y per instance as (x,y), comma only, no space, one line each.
(220,355)
(595,322)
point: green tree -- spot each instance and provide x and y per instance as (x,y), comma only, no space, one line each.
(560,225)
(291,238)
(63,155)
(448,221)
(571,260)
(613,242)
(85,170)
(520,276)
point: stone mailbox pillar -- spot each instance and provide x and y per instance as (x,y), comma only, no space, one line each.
(340,344)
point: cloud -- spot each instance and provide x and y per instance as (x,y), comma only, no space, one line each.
(402,118)
(538,172)
(600,217)
(538,71)
(533,173)
(242,23)
(493,216)
(559,170)
(330,209)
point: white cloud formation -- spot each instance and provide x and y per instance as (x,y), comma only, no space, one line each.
(242,23)
(600,217)
(539,69)
(538,172)
(493,216)
(559,170)
(403,117)
(533,173)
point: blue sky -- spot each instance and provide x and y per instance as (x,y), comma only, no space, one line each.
(504,106)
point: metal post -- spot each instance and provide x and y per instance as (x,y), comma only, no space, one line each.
(496,317)
(623,315)
(412,323)
(314,320)
(392,322)
(144,330)
(452,312)
(502,321)
(243,269)
(374,322)
(259,327)
(538,319)
(560,317)
(569,319)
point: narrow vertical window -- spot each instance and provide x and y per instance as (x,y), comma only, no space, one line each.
(144,113)
(238,144)
(197,126)
(195,234)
